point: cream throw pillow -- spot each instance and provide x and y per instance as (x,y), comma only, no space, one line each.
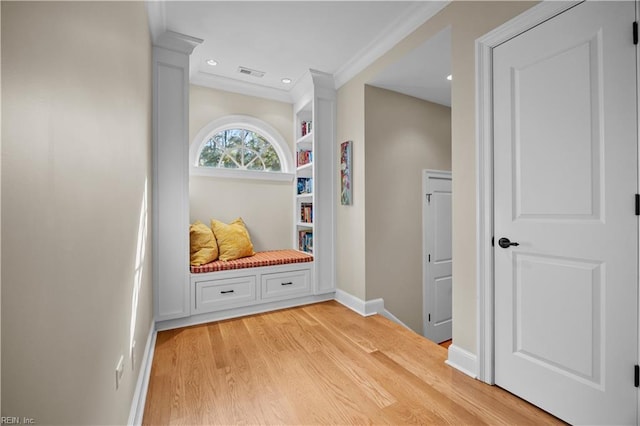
(233,239)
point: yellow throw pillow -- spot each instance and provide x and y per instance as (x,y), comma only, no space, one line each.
(203,246)
(233,239)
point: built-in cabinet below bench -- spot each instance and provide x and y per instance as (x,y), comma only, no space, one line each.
(233,293)
(224,290)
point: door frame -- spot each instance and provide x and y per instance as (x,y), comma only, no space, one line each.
(426,174)
(484,176)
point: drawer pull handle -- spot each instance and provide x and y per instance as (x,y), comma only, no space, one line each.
(226,291)
(289,283)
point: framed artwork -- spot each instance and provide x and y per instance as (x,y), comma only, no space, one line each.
(345,173)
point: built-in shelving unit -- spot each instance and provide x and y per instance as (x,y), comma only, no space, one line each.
(315,177)
(304,178)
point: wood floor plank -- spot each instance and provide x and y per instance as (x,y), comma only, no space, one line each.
(317,364)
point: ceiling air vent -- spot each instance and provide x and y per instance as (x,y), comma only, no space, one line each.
(248,71)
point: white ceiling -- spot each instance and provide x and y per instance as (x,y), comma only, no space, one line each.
(423,72)
(287,38)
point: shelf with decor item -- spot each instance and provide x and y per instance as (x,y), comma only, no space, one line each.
(316,175)
(304,157)
(304,178)
(306,212)
(305,240)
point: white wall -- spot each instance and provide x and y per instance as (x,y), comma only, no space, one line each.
(76,163)
(0,206)
(266,207)
(404,135)
(468,20)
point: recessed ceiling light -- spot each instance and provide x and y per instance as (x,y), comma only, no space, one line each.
(286,80)
(212,62)
(449,77)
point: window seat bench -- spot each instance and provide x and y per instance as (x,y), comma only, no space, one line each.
(251,283)
(263,258)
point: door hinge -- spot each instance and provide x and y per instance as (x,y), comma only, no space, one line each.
(636,376)
(635,32)
(493,243)
(429,258)
(430,321)
(428,198)
(637,204)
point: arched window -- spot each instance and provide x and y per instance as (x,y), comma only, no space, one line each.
(240,146)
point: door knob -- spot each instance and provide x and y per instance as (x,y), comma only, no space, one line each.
(506,243)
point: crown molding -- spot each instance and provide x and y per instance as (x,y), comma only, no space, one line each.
(177,42)
(310,81)
(200,78)
(393,34)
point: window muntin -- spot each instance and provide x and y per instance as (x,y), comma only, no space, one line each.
(239,148)
(248,151)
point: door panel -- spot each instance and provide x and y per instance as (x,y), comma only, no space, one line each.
(442,310)
(572,346)
(438,258)
(574,136)
(565,175)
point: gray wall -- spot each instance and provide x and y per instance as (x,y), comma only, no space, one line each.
(404,135)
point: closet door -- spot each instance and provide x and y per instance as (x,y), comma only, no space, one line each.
(566,233)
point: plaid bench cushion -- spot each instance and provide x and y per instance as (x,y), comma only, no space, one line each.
(263,258)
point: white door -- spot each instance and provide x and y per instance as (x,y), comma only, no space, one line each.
(565,176)
(437,244)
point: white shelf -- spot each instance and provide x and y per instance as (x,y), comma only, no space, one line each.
(304,225)
(305,167)
(306,139)
(304,196)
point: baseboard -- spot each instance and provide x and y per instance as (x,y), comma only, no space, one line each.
(241,312)
(463,361)
(370,307)
(393,318)
(142,385)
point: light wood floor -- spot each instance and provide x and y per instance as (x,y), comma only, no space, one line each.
(318,364)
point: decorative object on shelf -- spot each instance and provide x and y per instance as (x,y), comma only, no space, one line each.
(305,185)
(304,157)
(345,173)
(306,212)
(305,241)
(305,128)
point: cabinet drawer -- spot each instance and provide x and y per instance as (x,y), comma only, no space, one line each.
(283,285)
(224,293)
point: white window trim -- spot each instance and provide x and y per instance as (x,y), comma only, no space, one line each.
(241,122)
